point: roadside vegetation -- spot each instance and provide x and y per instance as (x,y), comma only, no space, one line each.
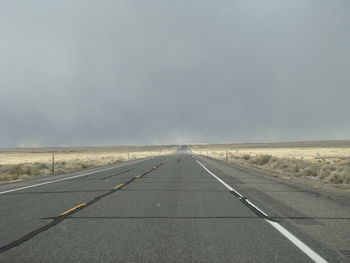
(328,171)
(328,162)
(20,165)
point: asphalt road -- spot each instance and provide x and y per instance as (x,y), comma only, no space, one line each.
(164,209)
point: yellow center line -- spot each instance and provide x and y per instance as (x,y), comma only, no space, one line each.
(119,186)
(75,207)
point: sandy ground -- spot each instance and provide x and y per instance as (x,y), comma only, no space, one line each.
(19,164)
(337,151)
(327,162)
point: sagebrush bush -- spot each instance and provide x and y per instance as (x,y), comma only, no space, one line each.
(246,157)
(327,171)
(310,170)
(340,175)
(260,159)
(20,170)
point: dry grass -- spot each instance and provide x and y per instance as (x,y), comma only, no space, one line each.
(19,164)
(330,163)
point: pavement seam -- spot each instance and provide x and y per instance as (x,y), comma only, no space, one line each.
(72,177)
(123,172)
(275,224)
(66,214)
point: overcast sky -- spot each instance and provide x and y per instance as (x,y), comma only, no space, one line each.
(131,72)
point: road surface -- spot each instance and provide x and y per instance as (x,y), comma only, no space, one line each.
(176,208)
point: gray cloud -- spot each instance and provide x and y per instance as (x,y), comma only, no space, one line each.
(151,72)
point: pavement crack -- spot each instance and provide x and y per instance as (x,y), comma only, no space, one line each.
(123,172)
(62,217)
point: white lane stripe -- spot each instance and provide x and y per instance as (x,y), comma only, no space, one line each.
(257,208)
(296,241)
(221,181)
(67,178)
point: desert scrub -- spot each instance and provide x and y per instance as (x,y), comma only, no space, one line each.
(340,175)
(246,157)
(260,159)
(20,171)
(327,171)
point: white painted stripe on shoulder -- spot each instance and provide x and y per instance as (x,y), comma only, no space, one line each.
(67,178)
(221,181)
(257,208)
(296,241)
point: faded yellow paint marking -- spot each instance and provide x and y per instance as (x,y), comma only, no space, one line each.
(119,186)
(72,209)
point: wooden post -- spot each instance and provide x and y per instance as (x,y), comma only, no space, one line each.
(226,156)
(128,156)
(53,164)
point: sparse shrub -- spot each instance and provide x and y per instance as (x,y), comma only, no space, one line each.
(246,157)
(8,177)
(120,160)
(338,176)
(260,159)
(310,171)
(16,170)
(346,175)
(325,170)
(293,168)
(301,163)
(40,165)
(43,166)
(34,171)
(335,177)
(20,170)
(281,164)
(86,165)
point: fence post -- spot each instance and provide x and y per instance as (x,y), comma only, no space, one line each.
(53,164)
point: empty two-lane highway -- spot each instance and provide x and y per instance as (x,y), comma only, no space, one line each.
(165,209)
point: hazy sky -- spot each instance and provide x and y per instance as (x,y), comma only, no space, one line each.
(127,72)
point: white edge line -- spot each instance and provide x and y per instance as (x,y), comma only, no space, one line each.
(257,208)
(221,181)
(296,241)
(67,178)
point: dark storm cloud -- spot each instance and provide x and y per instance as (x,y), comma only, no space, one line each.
(145,72)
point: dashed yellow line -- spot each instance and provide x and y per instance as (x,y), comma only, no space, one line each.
(72,209)
(119,186)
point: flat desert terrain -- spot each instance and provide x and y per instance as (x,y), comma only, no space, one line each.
(18,164)
(328,161)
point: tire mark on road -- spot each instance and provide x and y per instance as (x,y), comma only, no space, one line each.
(123,172)
(63,216)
